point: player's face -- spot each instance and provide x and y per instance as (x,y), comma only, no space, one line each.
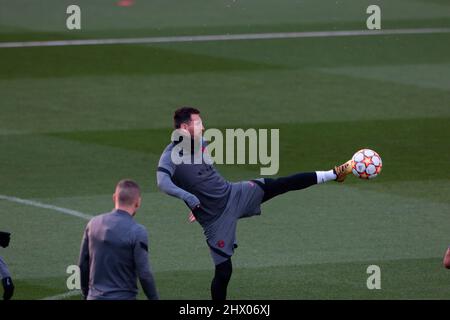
(195,127)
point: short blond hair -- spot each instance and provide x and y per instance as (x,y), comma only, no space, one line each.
(127,192)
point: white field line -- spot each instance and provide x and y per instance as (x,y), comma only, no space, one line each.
(223,37)
(64,295)
(46,206)
(54,208)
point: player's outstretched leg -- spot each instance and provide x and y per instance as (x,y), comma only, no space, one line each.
(275,187)
(220,281)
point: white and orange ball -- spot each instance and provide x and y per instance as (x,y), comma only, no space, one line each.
(366,164)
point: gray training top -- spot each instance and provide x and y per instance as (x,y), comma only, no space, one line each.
(194,184)
(114,252)
(4,272)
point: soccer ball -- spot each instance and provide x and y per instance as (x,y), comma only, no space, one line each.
(366,164)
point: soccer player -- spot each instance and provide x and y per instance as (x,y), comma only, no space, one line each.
(218,204)
(8,286)
(114,251)
(447,258)
(125,3)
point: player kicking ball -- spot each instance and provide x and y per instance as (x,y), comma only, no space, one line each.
(218,204)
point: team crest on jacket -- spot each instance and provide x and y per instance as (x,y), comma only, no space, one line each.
(221,243)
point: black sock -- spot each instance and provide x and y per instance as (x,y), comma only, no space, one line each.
(275,187)
(220,281)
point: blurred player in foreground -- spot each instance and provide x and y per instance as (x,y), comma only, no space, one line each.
(114,251)
(447,258)
(5,275)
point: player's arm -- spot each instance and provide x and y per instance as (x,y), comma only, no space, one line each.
(447,258)
(164,173)
(83,263)
(8,286)
(166,185)
(144,271)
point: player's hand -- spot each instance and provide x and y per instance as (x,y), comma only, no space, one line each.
(5,237)
(191,217)
(8,288)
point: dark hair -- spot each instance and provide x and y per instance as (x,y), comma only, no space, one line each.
(127,191)
(183,115)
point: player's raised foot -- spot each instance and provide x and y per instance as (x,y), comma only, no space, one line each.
(343,170)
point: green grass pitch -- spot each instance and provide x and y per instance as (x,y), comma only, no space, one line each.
(75,120)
